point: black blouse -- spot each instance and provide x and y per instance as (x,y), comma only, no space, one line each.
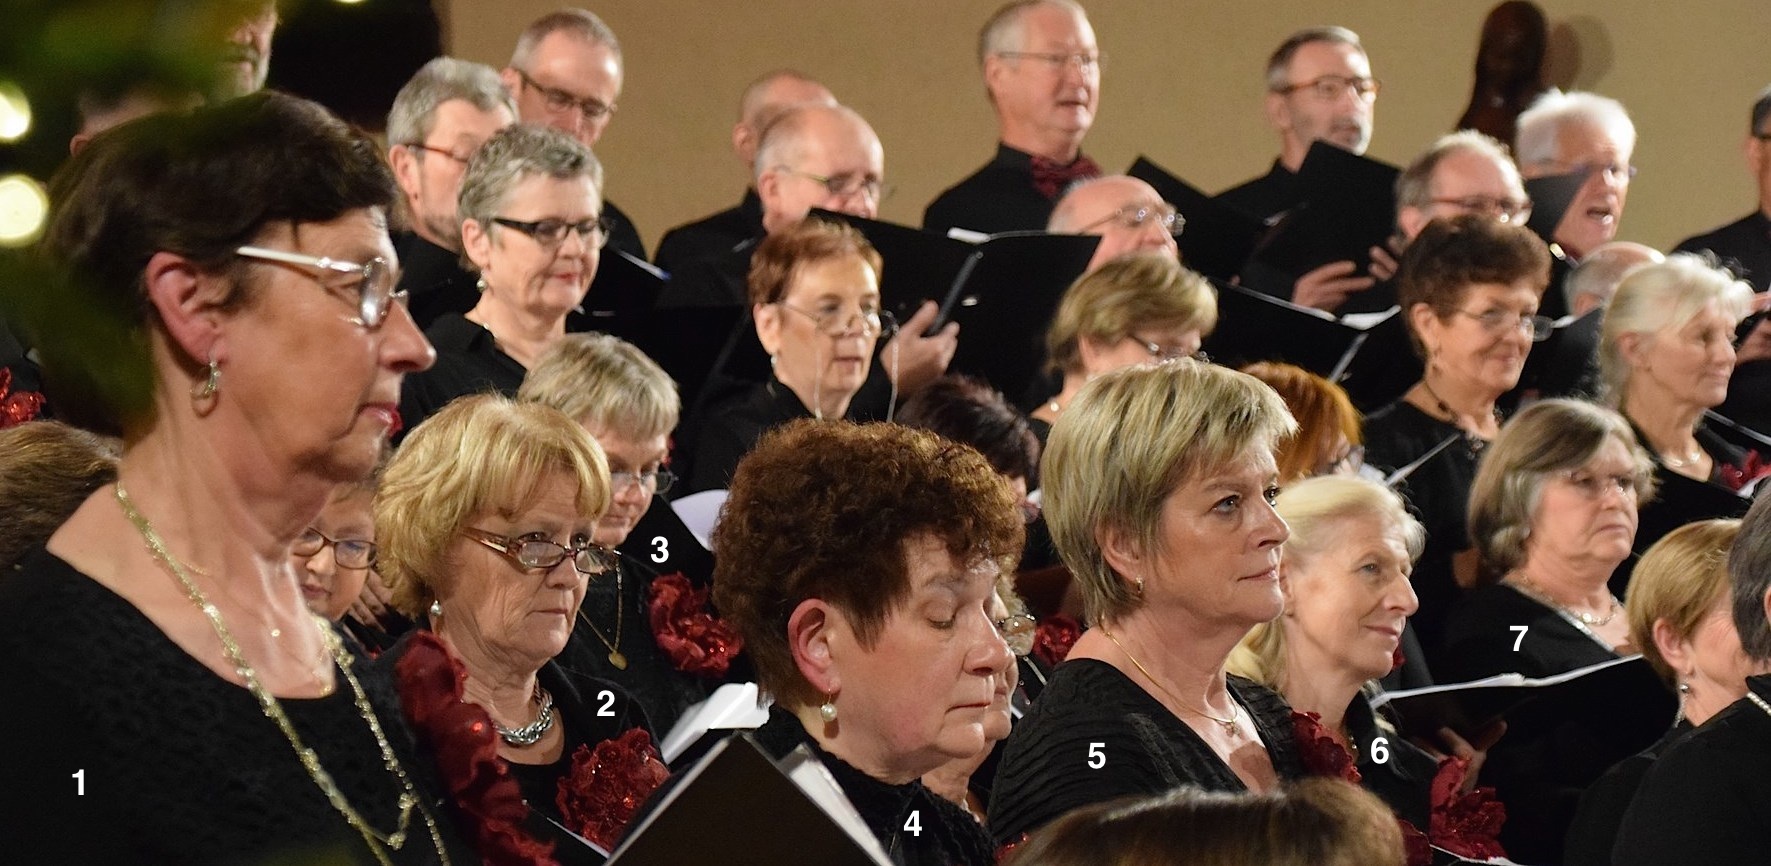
(468,362)
(122,748)
(1438,491)
(1706,799)
(1090,713)
(1600,816)
(732,428)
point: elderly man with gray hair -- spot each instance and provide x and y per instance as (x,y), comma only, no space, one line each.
(1042,74)
(1581,133)
(442,115)
(1745,244)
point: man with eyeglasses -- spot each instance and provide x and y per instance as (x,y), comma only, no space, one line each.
(1319,88)
(1746,242)
(444,113)
(566,73)
(763,101)
(1127,213)
(1042,72)
(1580,133)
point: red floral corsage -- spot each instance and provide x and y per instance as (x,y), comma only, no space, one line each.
(1321,751)
(1053,638)
(696,641)
(1736,477)
(488,804)
(608,784)
(16,407)
(1466,824)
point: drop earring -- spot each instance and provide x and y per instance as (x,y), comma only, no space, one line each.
(436,609)
(211,384)
(827,711)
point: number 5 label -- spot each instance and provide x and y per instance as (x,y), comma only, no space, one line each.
(1097,755)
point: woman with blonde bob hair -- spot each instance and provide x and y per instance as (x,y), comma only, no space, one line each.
(1680,610)
(1666,351)
(484,521)
(1159,484)
(1318,822)
(1132,310)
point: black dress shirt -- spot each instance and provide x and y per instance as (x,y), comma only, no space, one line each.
(434,279)
(711,236)
(1744,244)
(1265,197)
(1000,197)
(468,362)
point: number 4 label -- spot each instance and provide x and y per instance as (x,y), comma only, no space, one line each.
(913,824)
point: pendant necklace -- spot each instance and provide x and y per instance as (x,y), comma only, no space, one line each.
(615,657)
(1229,724)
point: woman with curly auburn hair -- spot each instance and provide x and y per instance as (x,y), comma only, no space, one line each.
(859,564)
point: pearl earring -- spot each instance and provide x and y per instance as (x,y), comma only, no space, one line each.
(827,711)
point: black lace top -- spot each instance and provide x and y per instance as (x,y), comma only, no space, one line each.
(122,748)
(1140,746)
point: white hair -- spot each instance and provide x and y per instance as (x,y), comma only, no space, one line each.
(1539,124)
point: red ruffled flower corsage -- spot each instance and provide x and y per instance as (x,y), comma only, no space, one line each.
(488,804)
(696,641)
(1466,824)
(1053,638)
(16,407)
(1321,751)
(608,784)
(1736,477)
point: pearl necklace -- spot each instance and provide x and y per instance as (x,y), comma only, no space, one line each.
(376,840)
(1593,620)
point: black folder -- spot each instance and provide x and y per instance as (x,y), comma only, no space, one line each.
(736,807)
(1348,206)
(1253,326)
(1384,368)
(1739,435)
(1218,238)
(1680,500)
(1622,689)
(686,341)
(1551,197)
(624,284)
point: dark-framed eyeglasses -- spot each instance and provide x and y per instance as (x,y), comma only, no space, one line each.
(374,279)
(1018,632)
(347,552)
(1084,61)
(1506,210)
(659,479)
(439,151)
(558,100)
(589,558)
(1328,87)
(551,233)
(1496,322)
(835,320)
(1136,216)
(845,186)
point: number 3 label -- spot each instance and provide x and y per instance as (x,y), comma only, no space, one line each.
(663,552)
(1097,755)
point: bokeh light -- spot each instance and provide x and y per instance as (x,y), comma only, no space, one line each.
(23,208)
(15,112)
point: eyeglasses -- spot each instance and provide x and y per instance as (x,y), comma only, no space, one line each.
(1616,171)
(1501,321)
(1594,487)
(1134,218)
(419,145)
(374,285)
(1332,86)
(551,233)
(1349,462)
(558,100)
(846,186)
(347,552)
(588,558)
(660,479)
(1506,210)
(1084,62)
(1018,632)
(833,320)
(1167,353)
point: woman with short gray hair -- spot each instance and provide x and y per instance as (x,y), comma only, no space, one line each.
(531,223)
(1666,351)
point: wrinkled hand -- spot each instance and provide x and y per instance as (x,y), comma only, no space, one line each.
(920,360)
(372,602)
(1384,258)
(1327,287)
(1476,751)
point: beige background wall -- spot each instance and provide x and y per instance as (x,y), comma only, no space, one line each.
(1182,84)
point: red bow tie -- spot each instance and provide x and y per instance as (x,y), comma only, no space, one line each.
(1051,177)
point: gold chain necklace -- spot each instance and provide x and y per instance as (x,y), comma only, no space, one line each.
(615,656)
(1229,724)
(273,709)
